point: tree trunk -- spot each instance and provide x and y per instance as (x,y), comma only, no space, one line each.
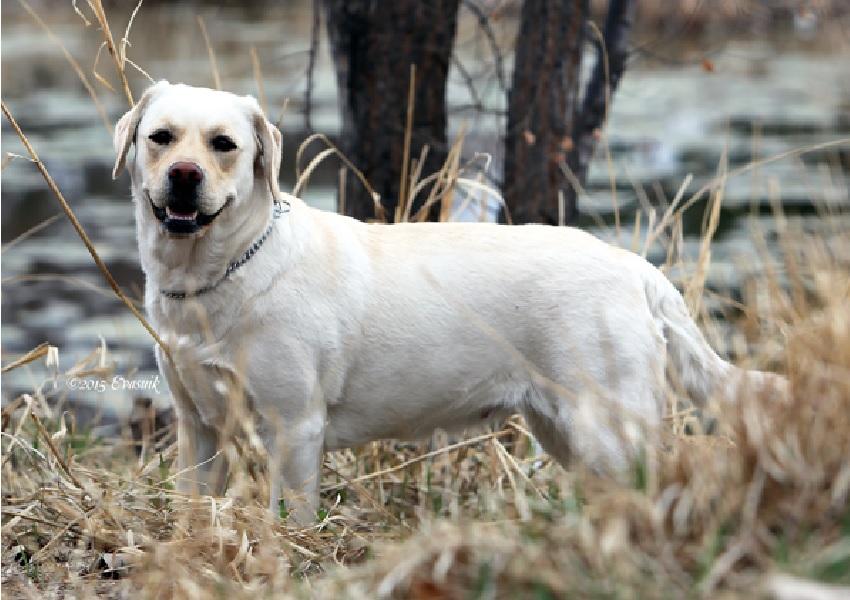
(543,104)
(374,44)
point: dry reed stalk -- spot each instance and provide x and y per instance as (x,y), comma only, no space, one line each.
(117,57)
(258,78)
(341,183)
(66,208)
(210,53)
(696,285)
(405,207)
(405,159)
(302,177)
(453,171)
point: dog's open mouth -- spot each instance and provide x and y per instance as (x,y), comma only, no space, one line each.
(184,223)
(180,216)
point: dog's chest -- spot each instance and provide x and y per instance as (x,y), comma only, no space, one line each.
(204,362)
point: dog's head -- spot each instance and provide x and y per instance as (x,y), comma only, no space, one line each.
(199,152)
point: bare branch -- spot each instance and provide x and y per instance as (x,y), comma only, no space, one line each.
(612,53)
(484,24)
(477,104)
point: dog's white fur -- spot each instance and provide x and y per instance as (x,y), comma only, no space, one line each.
(342,332)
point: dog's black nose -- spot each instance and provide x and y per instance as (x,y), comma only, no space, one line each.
(185,174)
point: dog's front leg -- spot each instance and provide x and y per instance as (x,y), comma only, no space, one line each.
(199,469)
(295,460)
(202,469)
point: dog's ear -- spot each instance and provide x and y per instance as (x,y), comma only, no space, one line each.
(125,128)
(269,142)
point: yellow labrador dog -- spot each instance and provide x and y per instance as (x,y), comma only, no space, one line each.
(341,332)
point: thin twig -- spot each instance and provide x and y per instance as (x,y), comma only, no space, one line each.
(477,104)
(484,24)
(420,458)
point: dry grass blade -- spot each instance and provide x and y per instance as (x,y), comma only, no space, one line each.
(59,458)
(655,232)
(98,77)
(9,157)
(36,353)
(31,232)
(756,164)
(125,41)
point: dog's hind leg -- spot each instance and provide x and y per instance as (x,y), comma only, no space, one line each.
(597,432)
(571,437)
(553,437)
(605,414)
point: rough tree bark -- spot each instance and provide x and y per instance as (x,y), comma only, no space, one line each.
(373,45)
(551,132)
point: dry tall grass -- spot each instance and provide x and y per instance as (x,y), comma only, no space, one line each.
(760,506)
(766,495)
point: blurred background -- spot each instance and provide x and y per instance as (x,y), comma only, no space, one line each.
(704,83)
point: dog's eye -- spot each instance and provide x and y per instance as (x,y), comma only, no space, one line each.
(222,143)
(162,137)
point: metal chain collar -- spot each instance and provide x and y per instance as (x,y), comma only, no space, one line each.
(279,209)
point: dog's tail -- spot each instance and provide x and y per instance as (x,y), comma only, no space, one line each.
(692,362)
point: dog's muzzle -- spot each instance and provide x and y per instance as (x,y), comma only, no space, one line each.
(181,215)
